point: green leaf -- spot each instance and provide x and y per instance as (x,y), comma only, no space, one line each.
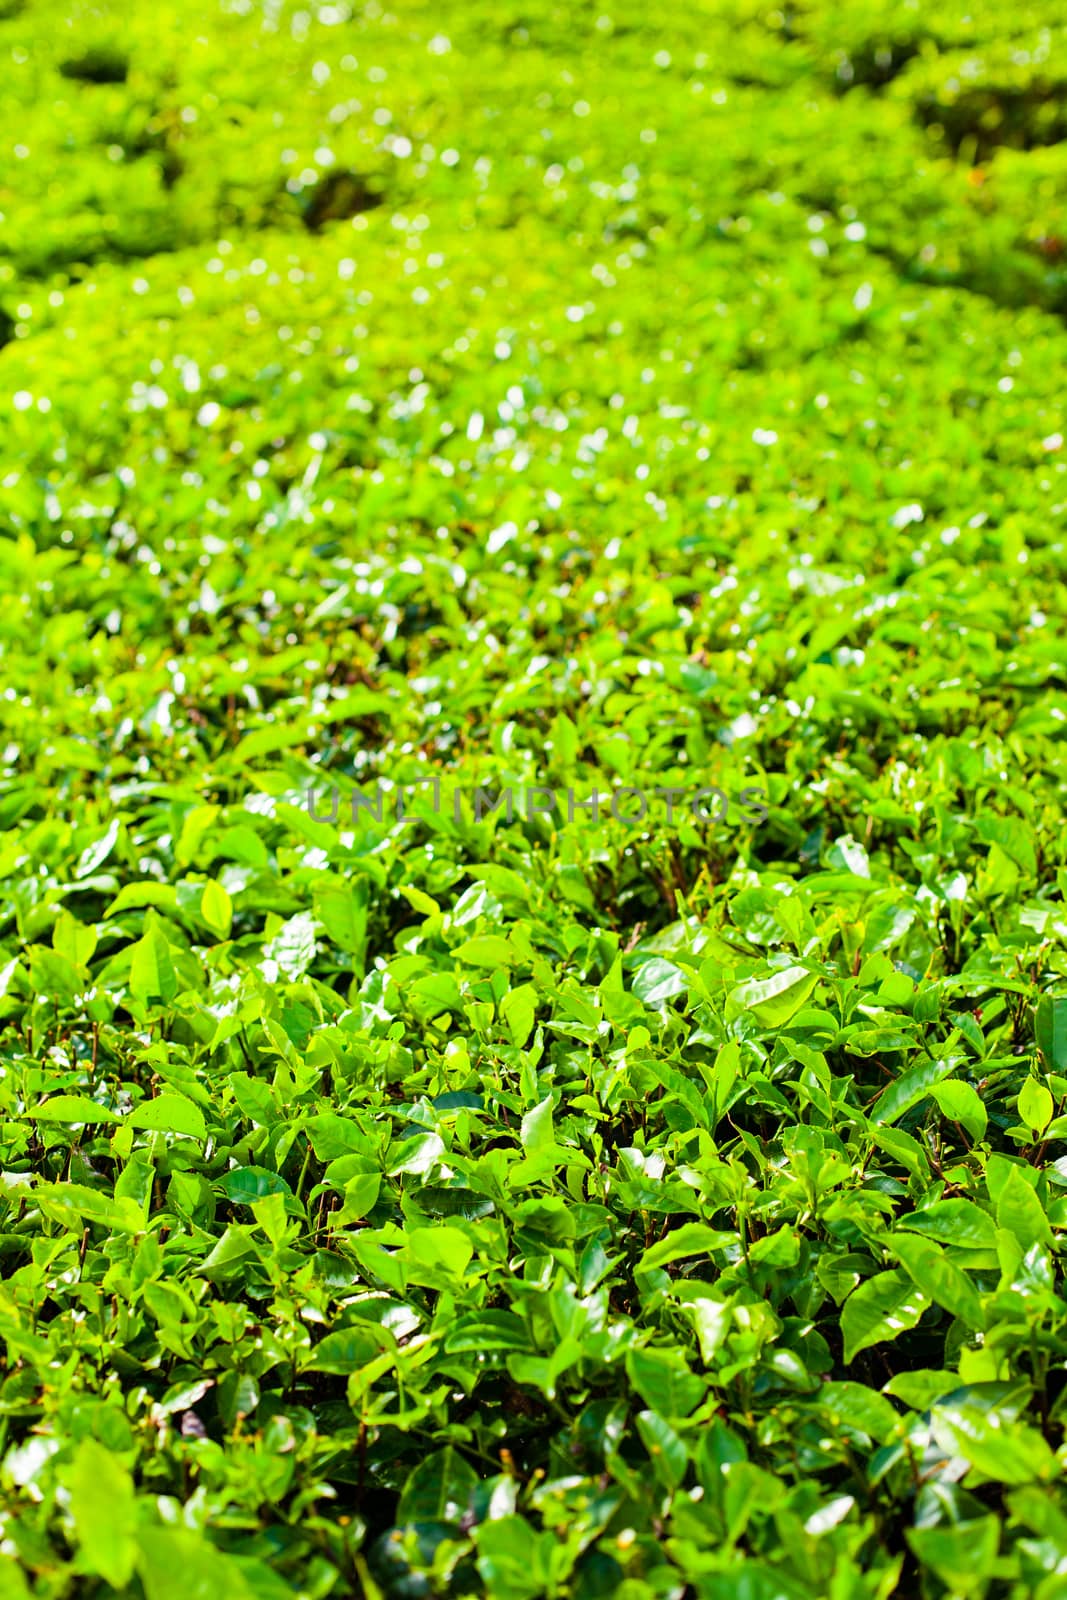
(73,1205)
(1050,1031)
(136,896)
(537,1130)
(52,973)
(774,1000)
(439,1200)
(519,1008)
(332,1136)
(169,1113)
(962,1554)
(73,940)
(879,1310)
(486,950)
(438,1489)
(343,913)
(238,1396)
(437,1252)
(178,1564)
(245,1185)
(360,1196)
(962,1104)
(488,1330)
(1035,1105)
(349,1349)
(104,1511)
(73,1109)
(293,946)
(957,1222)
(666,1451)
(994,1443)
(664,1381)
(911,1087)
(859,1407)
(231,1252)
(511,1559)
(920,1387)
(12,1583)
(216,909)
(691,1239)
(152,975)
(1019,1211)
(656,981)
(939,1279)
(680,1088)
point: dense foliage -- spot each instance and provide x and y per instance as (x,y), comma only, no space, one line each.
(589,397)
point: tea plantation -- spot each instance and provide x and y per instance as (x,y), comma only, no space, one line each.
(533,944)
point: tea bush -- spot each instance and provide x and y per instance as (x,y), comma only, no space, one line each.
(420,1177)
